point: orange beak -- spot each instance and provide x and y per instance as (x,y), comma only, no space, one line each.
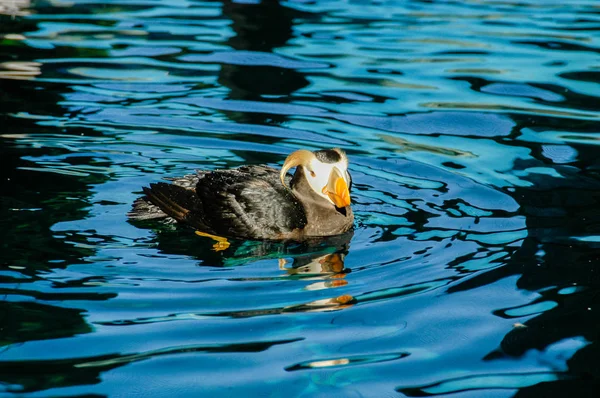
(337,189)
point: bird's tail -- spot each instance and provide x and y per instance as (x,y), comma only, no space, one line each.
(170,200)
(143,210)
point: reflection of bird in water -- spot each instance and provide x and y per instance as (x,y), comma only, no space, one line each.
(329,267)
(254,202)
(327,264)
(325,271)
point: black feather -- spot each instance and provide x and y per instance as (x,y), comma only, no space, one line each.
(249,201)
(143,210)
(328,156)
(178,202)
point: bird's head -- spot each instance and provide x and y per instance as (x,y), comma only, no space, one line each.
(326,172)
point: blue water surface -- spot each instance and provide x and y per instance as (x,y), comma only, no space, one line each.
(472,129)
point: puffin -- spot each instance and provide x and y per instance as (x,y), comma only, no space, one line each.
(258,202)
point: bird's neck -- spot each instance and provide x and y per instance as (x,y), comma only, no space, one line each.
(323,218)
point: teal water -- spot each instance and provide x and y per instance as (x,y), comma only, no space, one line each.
(472,129)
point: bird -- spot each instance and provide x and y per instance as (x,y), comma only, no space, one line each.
(258,202)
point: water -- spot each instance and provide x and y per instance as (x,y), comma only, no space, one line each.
(472,129)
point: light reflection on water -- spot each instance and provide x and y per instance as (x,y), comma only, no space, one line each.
(471,129)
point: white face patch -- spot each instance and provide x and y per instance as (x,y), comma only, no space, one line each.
(318,174)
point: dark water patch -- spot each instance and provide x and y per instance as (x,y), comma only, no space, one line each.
(482,383)
(250,58)
(28,376)
(586,76)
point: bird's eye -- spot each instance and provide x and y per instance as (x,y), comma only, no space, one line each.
(312,174)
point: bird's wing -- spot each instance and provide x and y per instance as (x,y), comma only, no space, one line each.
(249,201)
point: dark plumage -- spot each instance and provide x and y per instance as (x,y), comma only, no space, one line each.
(328,155)
(253,202)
